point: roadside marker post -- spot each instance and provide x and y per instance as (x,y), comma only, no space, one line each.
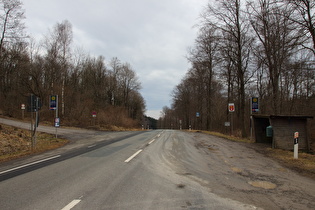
(23,109)
(296,145)
(94,117)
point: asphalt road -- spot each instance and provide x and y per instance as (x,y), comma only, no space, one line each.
(156,170)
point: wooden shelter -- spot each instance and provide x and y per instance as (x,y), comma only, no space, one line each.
(283,129)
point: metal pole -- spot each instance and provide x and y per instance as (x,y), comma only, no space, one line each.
(32,125)
(36,118)
(56,112)
(251,119)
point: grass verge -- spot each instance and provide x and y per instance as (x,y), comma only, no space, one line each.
(16,143)
(305,164)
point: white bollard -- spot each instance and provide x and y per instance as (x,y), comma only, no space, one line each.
(296,145)
(296,151)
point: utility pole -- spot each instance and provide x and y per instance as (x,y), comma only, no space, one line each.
(34,106)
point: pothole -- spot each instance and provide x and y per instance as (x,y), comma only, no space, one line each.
(181,186)
(236,170)
(263,184)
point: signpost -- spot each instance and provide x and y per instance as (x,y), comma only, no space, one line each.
(34,105)
(53,102)
(231,108)
(57,122)
(254,108)
(93,114)
(254,104)
(197,120)
(94,117)
(53,105)
(23,110)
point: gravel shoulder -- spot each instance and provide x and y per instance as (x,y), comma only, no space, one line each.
(237,171)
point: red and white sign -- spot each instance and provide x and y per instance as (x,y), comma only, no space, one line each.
(22,106)
(231,107)
(93,114)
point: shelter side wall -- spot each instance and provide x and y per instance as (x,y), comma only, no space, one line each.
(283,133)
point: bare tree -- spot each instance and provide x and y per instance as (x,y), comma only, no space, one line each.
(204,57)
(127,81)
(277,41)
(304,18)
(58,45)
(12,49)
(11,17)
(228,17)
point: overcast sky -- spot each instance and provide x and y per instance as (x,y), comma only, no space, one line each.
(151,35)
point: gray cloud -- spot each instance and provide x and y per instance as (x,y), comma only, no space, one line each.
(151,35)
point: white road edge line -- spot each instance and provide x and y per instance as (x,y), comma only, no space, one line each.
(133,156)
(151,141)
(92,146)
(29,164)
(71,204)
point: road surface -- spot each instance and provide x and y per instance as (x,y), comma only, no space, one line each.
(157,170)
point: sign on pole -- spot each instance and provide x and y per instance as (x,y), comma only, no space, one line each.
(53,101)
(94,114)
(231,107)
(34,103)
(255,104)
(57,122)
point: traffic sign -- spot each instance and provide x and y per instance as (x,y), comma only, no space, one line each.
(53,102)
(34,104)
(57,122)
(22,106)
(93,114)
(255,104)
(231,107)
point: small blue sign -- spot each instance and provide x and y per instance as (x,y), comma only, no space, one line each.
(197,114)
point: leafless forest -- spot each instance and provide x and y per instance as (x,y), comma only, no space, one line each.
(244,49)
(261,48)
(83,83)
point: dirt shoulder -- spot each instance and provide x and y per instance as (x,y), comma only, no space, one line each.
(304,165)
(250,173)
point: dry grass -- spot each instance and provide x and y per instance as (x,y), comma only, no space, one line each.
(305,164)
(232,138)
(16,143)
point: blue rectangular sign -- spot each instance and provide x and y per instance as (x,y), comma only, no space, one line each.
(255,104)
(53,102)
